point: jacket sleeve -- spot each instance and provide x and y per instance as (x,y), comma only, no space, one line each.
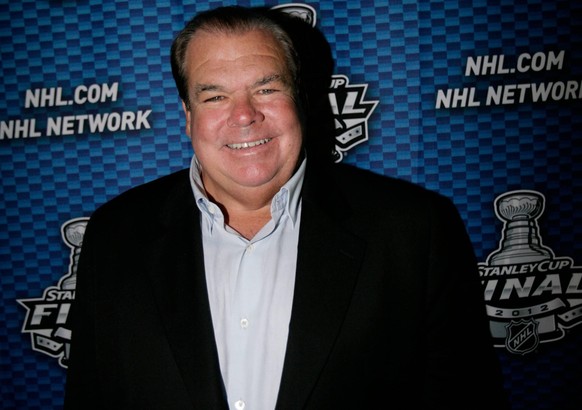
(462,370)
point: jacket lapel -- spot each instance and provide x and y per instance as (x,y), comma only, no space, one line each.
(179,285)
(329,259)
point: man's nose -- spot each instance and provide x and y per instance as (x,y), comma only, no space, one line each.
(244,113)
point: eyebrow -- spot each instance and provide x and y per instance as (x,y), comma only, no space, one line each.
(269,79)
(200,88)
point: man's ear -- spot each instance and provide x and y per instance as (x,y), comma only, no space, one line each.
(187,113)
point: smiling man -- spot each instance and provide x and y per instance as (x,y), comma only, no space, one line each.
(242,118)
(264,276)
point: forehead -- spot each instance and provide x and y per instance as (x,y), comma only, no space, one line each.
(212,53)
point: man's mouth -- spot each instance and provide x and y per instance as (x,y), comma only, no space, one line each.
(251,144)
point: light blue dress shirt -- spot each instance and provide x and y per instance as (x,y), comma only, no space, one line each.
(250,288)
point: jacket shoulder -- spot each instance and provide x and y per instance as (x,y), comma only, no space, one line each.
(152,191)
(147,201)
(375,188)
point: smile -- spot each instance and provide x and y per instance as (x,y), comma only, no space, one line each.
(252,144)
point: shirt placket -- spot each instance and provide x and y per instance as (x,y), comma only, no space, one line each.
(243,324)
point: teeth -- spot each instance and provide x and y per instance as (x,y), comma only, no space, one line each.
(249,144)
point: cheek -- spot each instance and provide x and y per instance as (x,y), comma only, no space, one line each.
(290,123)
(204,126)
(284,116)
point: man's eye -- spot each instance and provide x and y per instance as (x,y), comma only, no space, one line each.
(216,98)
(267,91)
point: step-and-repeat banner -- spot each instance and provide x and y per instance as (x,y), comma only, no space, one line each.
(479,100)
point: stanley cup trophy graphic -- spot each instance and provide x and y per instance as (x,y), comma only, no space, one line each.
(532,296)
(72,233)
(521,241)
(47,317)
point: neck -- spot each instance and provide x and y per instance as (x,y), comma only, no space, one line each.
(248,223)
(246,213)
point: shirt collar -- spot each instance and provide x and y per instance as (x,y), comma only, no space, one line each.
(286,201)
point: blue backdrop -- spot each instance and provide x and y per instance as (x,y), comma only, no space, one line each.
(479,100)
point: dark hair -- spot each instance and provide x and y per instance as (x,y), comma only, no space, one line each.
(229,20)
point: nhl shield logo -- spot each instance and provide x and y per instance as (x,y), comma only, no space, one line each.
(522,336)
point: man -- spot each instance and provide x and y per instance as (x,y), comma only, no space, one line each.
(264,277)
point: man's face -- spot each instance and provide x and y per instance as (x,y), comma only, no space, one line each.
(242,121)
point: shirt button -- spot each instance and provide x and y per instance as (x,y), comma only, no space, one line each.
(239,405)
(250,247)
(244,323)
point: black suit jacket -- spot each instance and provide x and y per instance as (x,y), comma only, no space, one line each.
(388,312)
